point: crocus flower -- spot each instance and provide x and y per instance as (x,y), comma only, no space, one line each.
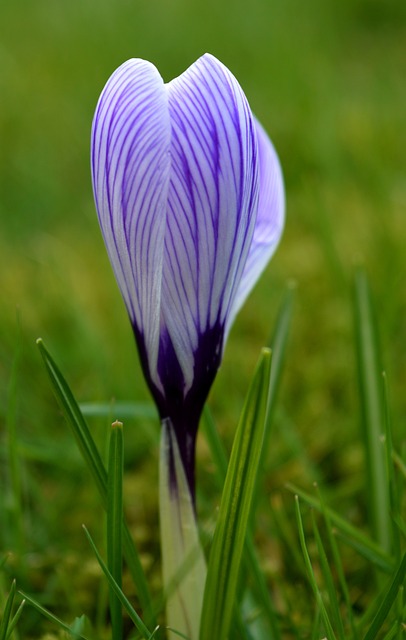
(190,199)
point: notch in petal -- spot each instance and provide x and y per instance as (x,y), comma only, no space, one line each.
(130,172)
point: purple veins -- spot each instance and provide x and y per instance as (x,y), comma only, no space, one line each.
(190,199)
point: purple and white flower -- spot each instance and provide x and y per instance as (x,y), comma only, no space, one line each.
(190,199)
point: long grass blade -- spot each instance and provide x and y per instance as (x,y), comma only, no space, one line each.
(353,536)
(338,563)
(140,625)
(13,623)
(114,523)
(392,631)
(329,582)
(76,420)
(98,471)
(7,612)
(369,371)
(386,601)
(311,576)
(390,470)
(53,618)
(278,344)
(260,588)
(316,626)
(229,536)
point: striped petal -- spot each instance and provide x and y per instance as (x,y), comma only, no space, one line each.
(130,171)
(269,222)
(212,207)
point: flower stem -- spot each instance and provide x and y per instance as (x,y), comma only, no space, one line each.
(183,562)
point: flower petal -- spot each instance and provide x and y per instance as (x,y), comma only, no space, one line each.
(130,172)
(270,219)
(212,205)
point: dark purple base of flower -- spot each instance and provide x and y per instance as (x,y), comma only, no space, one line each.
(173,477)
(184,411)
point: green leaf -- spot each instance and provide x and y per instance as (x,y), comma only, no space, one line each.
(386,600)
(338,565)
(114,523)
(50,616)
(260,587)
(394,497)
(76,421)
(392,631)
(4,624)
(231,528)
(370,382)
(311,576)
(98,471)
(79,624)
(329,582)
(15,619)
(353,536)
(278,345)
(219,456)
(142,628)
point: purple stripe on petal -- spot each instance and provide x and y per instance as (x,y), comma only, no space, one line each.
(270,219)
(212,204)
(130,171)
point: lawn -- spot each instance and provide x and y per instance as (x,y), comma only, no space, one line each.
(326,79)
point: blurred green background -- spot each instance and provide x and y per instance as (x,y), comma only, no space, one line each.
(327,80)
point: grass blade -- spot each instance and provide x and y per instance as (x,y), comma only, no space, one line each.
(98,471)
(392,632)
(353,536)
(310,574)
(387,599)
(52,618)
(7,612)
(329,582)
(278,345)
(395,503)
(142,628)
(219,456)
(260,587)
(114,523)
(229,535)
(76,420)
(15,619)
(338,564)
(369,371)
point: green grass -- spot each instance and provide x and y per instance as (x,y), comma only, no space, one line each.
(326,79)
